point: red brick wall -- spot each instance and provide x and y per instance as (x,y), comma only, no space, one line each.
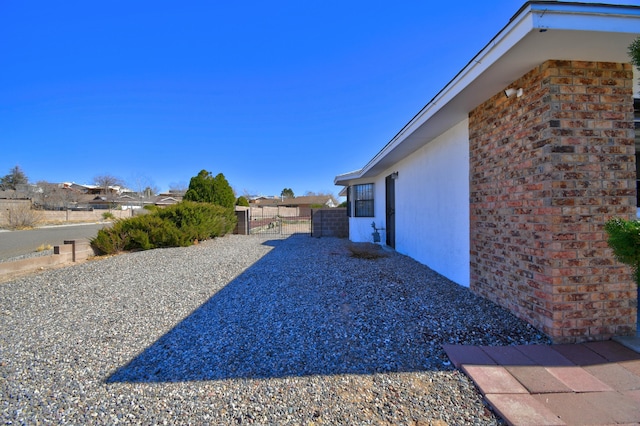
(547,170)
(329,223)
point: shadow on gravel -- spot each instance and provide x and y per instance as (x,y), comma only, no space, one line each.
(349,316)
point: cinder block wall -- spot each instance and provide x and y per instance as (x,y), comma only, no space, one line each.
(242,226)
(329,223)
(547,170)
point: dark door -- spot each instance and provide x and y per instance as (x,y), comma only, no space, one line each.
(390,185)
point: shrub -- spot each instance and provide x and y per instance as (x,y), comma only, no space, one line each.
(109,240)
(175,226)
(624,239)
(366,251)
(139,233)
(108,216)
(200,221)
(242,201)
(21,216)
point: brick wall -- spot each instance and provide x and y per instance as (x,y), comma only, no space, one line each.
(329,223)
(547,170)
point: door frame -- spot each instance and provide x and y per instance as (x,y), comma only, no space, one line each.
(390,209)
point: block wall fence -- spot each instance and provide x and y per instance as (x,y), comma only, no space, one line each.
(547,170)
(329,222)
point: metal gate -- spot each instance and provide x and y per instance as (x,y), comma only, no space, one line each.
(279,220)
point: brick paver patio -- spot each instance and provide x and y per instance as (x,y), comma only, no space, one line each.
(595,383)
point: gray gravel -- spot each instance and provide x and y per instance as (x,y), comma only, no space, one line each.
(244,330)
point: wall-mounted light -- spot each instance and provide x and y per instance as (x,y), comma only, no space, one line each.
(511,91)
(394,175)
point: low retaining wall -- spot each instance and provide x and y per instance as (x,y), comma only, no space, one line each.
(68,253)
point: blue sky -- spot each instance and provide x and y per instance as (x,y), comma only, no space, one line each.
(282,94)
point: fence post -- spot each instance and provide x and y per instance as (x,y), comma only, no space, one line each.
(73,249)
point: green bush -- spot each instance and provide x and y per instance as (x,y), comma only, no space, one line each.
(200,221)
(242,201)
(138,233)
(150,231)
(175,226)
(109,240)
(624,239)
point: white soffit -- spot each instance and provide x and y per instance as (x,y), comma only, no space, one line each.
(539,32)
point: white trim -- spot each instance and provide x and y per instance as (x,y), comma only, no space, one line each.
(586,31)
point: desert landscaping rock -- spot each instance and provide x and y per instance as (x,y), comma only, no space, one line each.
(244,330)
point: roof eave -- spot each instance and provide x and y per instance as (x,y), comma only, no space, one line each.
(465,91)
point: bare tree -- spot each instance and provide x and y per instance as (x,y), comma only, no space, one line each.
(21,216)
(53,196)
(106,182)
(178,187)
(144,188)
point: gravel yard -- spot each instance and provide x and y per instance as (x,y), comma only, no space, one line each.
(244,330)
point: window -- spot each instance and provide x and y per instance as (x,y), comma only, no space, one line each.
(363,200)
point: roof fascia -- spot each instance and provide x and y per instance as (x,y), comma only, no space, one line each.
(533,16)
(517,28)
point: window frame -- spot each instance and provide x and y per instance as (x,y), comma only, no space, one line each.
(363,200)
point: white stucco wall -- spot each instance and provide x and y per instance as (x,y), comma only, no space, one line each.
(432,205)
(360,229)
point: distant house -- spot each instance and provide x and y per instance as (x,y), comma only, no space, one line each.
(306,203)
(263,200)
(504,180)
(168,198)
(295,206)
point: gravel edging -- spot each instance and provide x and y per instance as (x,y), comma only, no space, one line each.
(35,253)
(244,330)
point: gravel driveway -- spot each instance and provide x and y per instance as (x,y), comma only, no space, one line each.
(242,330)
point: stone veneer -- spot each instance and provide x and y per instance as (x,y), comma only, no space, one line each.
(547,170)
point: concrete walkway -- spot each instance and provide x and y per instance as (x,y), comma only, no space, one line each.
(595,383)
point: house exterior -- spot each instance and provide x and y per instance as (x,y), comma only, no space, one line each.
(504,180)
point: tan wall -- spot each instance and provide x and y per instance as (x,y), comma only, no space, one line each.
(11,203)
(46,216)
(82,216)
(264,212)
(547,171)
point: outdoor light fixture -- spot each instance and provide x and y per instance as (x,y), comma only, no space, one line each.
(511,91)
(394,175)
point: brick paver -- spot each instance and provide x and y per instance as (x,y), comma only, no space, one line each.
(592,383)
(578,379)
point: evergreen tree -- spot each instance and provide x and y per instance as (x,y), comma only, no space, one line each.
(242,201)
(205,188)
(15,177)
(287,193)
(223,193)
